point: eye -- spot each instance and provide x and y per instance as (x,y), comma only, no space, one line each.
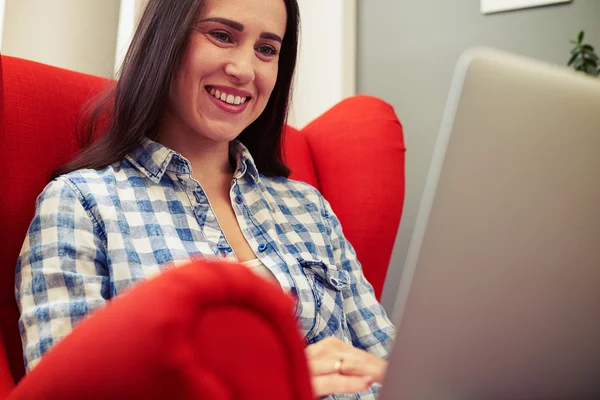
(221,36)
(268,51)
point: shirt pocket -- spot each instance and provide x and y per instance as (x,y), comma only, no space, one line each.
(327,284)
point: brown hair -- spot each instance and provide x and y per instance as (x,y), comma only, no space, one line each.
(121,116)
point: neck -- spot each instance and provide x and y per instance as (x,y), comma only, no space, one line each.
(209,159)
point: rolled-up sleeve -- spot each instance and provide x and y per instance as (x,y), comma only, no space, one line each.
(61,274)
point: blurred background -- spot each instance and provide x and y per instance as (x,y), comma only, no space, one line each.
(403,52)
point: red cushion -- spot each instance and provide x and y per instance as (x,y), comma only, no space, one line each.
(298,158)
(217,332)
(39,106)
(358,151)
(6,379)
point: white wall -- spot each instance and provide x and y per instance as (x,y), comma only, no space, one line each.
(2,7)
(326,71)
(129,16)
(127,25)
(75,34)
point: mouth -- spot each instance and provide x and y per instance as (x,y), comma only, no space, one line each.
(227,98)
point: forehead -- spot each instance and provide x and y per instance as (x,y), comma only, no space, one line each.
(264,15)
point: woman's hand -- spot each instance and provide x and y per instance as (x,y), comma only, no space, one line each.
(337,367)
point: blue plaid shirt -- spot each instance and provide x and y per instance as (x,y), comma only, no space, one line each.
(95,232)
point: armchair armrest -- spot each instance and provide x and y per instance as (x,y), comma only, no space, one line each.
(363,179)
(206,330)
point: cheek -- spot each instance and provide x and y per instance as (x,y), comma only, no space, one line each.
(175,94)
(182,98)
(184,89)
(269,79)
(185,84)
(178,95)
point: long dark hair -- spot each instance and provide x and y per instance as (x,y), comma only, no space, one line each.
(118,118)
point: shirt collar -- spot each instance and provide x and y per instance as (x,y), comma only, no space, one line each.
(153,160)
(243,161)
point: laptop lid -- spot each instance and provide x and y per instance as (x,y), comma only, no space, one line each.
(500,294)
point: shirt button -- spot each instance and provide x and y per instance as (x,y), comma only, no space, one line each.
(334,281)
(262,247)
(239,200)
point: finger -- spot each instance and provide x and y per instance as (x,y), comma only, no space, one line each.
(325,385)
(324,365)
(328,345)
(354,362)
(322,356)
(362,363)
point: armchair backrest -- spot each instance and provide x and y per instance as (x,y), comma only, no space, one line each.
(354,154)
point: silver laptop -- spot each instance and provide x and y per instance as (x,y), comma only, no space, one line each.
(500,294)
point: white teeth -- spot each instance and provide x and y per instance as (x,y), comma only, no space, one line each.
(227,98)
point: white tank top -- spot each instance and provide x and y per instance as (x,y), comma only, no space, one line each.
(259,268)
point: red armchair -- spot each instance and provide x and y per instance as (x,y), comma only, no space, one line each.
(354,154)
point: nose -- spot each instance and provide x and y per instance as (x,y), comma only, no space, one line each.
(240,65)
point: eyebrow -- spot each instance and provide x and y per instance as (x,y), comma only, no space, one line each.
(240,28)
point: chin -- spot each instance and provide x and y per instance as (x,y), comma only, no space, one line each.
(220,131)
(220,136)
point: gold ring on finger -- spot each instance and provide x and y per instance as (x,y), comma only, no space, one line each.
(337,367)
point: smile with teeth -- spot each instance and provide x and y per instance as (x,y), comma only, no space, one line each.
(225,97)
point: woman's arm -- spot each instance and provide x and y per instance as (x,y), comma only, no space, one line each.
(369,326)
(61,273)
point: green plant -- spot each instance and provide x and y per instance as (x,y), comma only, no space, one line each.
(583,57)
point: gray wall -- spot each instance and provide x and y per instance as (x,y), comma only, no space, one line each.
(407,50)
(80,35)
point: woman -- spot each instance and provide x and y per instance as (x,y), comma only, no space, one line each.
(190,165)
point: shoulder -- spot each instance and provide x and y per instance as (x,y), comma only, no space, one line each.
(84,185)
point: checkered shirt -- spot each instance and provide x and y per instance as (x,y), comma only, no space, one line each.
(95,232)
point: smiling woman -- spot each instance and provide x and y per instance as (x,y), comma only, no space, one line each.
(190,165)
(234,58)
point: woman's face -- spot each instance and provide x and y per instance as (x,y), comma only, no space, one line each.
(229,68)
